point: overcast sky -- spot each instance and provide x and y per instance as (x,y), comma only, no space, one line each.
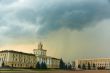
(71,29)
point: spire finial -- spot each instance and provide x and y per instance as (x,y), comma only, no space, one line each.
(40,45)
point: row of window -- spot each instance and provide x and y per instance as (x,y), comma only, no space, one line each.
(2,59)
(3,54)
(21,65)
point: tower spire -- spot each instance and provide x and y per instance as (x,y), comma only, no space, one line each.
(40,46)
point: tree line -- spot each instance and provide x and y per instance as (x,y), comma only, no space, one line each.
(62,65)
(41,65)
(87,66)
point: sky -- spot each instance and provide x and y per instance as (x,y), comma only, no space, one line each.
(68,29)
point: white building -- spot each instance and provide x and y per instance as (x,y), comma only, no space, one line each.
(17,59)
(97,63)
(25,60)
(41,56)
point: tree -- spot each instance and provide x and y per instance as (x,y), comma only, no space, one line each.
(69,67)
(66,66)
(62,64)
(94,67)
(84,67)
(43,65)
(89,66)
(38,65)
(79,66)
(3,64)
(73,65)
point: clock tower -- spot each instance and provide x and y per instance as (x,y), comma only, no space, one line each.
(40,51)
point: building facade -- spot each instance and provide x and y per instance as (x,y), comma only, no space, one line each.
(17,59)
(25,60)
(41,56)
(98,63)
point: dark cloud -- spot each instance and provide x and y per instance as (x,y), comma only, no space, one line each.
(53,15)
(5,2)
(26,15)
(66,14)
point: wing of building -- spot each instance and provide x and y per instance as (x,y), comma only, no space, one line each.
(26,60)
(17,59)
(97,63)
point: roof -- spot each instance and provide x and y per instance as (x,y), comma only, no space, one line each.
(12,51)
(94,59)
(49,57)
(53,58)
(39,49)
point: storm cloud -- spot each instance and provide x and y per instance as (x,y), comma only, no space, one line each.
(48,16)
(68,28)
(53,15)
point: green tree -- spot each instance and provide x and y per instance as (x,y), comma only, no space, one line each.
(62,64)
(43,65)
(79,66)
(38,65)
(3,64)
(66,66)
(73,65)
(69,67)
(84,67)
(94,67)
(89,66)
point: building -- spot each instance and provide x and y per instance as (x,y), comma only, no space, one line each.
(97,63)
(41,56)
(17,59)
(25,60)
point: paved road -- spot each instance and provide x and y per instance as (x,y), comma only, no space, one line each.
(101,71)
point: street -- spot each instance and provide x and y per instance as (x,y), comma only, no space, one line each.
(87,71)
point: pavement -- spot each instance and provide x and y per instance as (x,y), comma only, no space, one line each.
(87,71)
